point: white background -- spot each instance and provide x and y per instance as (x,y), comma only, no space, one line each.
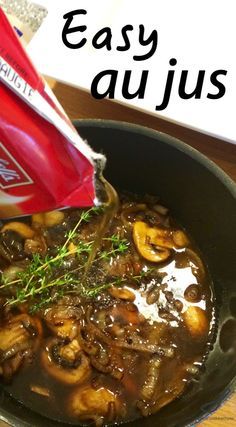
(201,35)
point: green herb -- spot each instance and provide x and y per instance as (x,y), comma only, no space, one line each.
(93,291)
(35,284)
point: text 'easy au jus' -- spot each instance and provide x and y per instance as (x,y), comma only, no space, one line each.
(148,42)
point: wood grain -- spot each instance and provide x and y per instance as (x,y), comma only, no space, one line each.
(79,104)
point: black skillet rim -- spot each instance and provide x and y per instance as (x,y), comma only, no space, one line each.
(194,154)
(191,152)
(167,139)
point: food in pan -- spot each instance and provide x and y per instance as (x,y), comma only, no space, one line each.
(112,341)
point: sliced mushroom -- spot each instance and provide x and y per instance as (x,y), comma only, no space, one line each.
(154,243)
(160,209)
(24,230)
(126,314)
(150,243)
(122,293)
(65,361)
(196,321)
(63,320)
(53,218)
(47,219)
(43,391)
(193,293)
(89,404)
(153,295)
(38,220)
(11,246)
(11,273)
(125,264)
(180,239)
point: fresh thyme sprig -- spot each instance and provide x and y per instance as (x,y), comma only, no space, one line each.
(41,275)
(118,245)
(96,290)
(40,264)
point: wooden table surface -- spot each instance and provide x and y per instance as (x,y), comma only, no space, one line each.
(80,105)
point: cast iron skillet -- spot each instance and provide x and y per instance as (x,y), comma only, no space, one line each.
(203,199)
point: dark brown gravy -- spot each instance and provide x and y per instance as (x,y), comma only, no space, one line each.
(157,343)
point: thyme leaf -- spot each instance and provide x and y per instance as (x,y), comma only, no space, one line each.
(43,280)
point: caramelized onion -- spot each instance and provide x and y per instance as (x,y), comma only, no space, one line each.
(108,361)
(20,333)
(132,209)
(11,366)
(152,379)
(160,209)
(196,260)
(102,356)
(19,338)
(142,346)
(40,390)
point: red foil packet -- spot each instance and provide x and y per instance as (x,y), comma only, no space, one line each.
(44,163)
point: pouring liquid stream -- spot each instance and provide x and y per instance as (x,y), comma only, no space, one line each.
(111,208)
